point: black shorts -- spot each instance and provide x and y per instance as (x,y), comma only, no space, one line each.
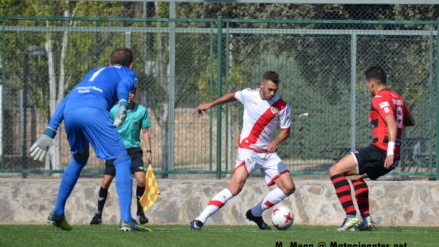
(370,161)
(136,155)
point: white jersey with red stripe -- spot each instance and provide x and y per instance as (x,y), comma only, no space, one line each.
(261,118)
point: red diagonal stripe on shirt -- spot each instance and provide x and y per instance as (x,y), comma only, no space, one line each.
(262,122)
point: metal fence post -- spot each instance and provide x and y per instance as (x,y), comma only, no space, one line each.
(24,109)
(228,125)
(353,88)
(219,94)
(128,40)
(211,97)
(437,98)
(3,95)
(171,89)
(35,51)
(430,103)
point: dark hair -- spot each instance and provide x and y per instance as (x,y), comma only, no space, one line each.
(377,74)
(271,76)
(122,56)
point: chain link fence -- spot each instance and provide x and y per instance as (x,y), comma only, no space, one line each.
(145,9)
(184,62)
(321,65)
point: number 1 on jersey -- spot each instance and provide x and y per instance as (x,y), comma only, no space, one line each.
(95,74)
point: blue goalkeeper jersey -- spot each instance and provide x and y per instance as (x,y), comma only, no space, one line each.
(101,88)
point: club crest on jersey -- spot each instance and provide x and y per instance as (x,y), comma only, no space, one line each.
(136,124)
(274,110)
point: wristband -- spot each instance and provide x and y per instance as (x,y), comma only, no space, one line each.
(148,151)
(123,102)
(50,132)
(390,147)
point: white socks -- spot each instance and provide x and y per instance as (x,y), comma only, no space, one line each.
(217,202)
(272,198)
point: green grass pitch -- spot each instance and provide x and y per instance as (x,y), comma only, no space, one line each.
(212,235)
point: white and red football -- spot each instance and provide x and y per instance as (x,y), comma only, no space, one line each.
(282,217)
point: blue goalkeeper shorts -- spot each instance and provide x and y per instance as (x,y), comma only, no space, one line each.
(90,125)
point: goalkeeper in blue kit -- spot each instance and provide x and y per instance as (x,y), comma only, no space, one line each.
(85,111)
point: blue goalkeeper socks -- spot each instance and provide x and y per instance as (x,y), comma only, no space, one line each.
(124,186)
(68,181)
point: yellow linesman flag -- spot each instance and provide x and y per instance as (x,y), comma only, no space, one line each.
(151,190)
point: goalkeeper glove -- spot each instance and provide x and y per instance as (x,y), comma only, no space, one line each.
(121,114)
(42,145)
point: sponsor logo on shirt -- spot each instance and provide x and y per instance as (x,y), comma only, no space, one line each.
(251,101)
(398,102)
(384,104)
(386,109)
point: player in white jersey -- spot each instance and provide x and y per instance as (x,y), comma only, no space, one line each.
(263,112)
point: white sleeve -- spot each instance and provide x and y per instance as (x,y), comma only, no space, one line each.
(285,117)
(242,95)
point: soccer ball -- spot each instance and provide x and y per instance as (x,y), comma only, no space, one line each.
(282,217)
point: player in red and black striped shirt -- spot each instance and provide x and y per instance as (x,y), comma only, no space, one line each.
(388,117)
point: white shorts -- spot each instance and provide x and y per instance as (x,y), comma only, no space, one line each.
(270,164)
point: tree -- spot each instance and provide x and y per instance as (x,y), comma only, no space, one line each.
(63,69)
